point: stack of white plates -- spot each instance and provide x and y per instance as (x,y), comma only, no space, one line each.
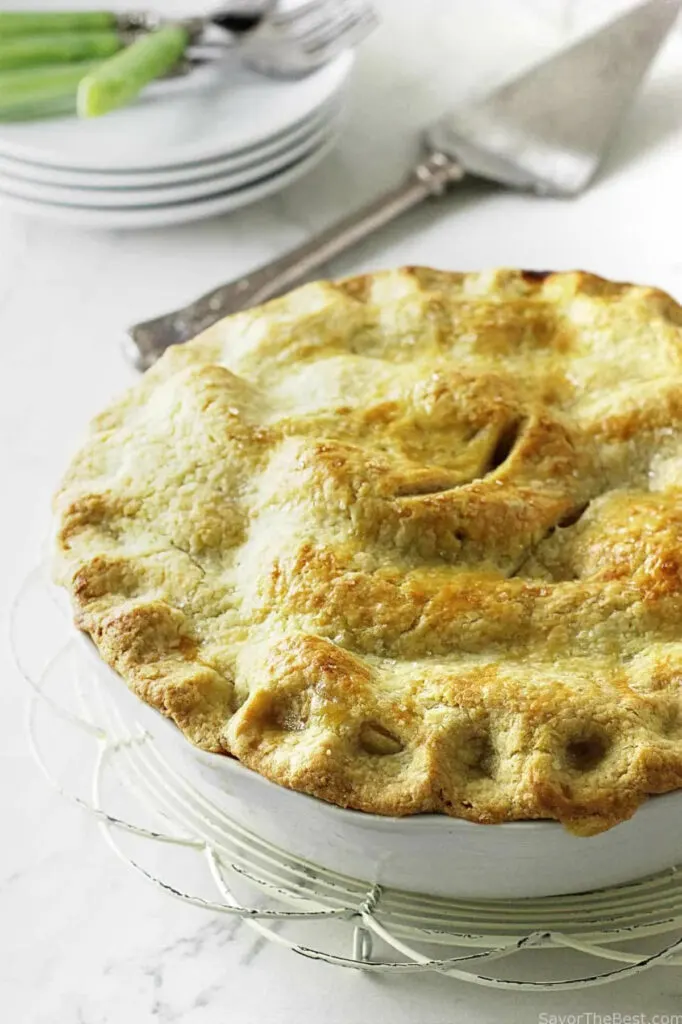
(192,148)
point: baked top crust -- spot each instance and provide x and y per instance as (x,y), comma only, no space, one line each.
(408,542)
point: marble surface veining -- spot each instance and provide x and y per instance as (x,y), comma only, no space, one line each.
(82,939)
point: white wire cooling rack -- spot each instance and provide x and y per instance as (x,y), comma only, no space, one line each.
(604,935)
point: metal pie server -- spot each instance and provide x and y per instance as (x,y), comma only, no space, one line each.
(546,131)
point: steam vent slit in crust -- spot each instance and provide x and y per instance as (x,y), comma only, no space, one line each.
(408,542)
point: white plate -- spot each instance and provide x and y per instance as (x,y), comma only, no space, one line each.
(177,213)
(217,111)
(83,179)
(125,199)
(427,853)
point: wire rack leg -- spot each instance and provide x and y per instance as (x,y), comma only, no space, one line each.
(362,945)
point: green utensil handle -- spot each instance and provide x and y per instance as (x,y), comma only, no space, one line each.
(61,48)
(119,80)
(34,23)
(31,92)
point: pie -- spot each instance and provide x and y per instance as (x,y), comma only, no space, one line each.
(409,542)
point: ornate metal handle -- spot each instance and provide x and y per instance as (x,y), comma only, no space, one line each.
(151,338)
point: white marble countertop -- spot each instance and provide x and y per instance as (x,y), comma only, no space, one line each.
(82,940)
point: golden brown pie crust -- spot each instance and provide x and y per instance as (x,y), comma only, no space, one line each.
(408,542)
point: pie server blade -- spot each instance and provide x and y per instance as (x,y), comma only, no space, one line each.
(549,129)
(546,131)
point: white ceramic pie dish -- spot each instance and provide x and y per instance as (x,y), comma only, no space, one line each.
(427,853)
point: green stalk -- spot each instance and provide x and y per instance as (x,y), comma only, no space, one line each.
(33,23)
(61,48)
(119,80)
(41,92)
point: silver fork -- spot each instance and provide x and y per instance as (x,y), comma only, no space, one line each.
(281,43)
(293,45)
